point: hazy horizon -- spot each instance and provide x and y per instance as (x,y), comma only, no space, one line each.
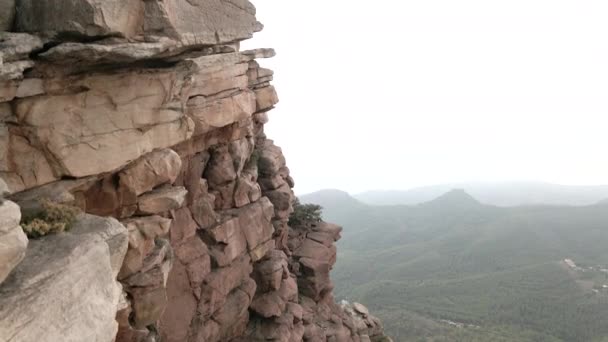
(406,94)
(505,182)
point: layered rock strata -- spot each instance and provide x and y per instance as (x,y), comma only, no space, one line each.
(148,117)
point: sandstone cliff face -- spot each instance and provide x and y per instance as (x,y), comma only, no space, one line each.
(145,115)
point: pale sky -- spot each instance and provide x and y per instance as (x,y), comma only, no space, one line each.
(390,94)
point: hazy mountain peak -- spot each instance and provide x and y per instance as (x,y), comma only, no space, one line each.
(327,195)
(455,198)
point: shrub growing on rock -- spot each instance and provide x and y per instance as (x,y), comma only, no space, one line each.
(50,218)
(305,214)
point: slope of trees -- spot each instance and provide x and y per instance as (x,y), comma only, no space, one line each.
(495,273)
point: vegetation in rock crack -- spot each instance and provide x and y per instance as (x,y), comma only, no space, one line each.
(50,218)
(305,214)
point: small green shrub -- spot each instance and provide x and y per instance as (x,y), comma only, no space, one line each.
(305,214)
(51,218)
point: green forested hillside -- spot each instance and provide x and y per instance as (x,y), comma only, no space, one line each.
(496,274)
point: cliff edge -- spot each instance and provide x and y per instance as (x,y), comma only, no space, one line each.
(148,118)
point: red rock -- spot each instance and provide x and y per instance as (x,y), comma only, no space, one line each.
(221,167)
(193,249)
(151,170)
(203,210)
(150,226)
(228,278)
(269,304)
(190,176)
(265,98)
(148,305)
(181,307)
(161,200)
(183,226)
(233,315)
(198,270)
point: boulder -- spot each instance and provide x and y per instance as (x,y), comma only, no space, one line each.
(13,242)
(69,283)
(204,22)
(201,22)
(265,98)
(149,226)
(147,287)
(161,200)
(360,308)
(216,113)
(80,17)
(153,169)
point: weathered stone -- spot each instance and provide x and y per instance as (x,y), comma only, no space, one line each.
(148,305)
(360,308)
(116,120)
(190,176)
(269,273)
(65,288)
(221,21)
(221,112)
(150,226)
(7,14)
(265,98)
(30,87)
(27,166)
(226,279)
(181,307)
(271,159)
(80,17)
(255,222)
(4,189)
(107,230)
(17,46)
(13,242)
(269,305)
(282,199)
(193,249)
(161,200)
(106,198)
(153,169)
(14,71)
(259,53)
(77,56)
(183,226)
(221,167)
(203,211)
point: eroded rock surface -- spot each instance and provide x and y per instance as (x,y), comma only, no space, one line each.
(13,241)
(65,289)
(147,113)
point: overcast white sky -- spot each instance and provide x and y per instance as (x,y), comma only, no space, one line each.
(390,94)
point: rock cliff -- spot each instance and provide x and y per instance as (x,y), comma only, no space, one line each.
(147,116)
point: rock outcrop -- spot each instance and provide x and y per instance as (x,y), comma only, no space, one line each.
(148,117)
(65,289)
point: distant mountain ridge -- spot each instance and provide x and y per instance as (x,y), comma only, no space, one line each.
(499,194)
(496,273)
